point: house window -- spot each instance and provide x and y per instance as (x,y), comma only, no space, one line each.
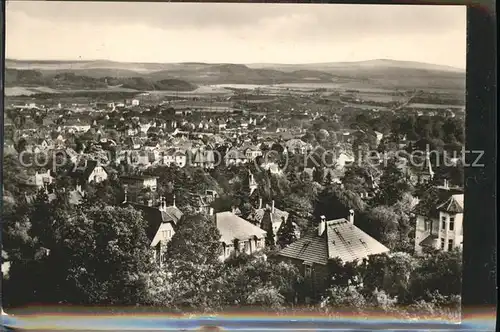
(427,225)
(443,223)
(308,271)
(452,224)
(450,245)
(442,244)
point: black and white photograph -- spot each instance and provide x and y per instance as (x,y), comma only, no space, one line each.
(209,157)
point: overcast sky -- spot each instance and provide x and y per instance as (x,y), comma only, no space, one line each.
(237,33)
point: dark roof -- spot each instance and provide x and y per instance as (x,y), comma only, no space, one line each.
(278,216)
(341,239)
(90,165)
(445,201)
(455,204)
(155,217)
(311,249)
(429,241)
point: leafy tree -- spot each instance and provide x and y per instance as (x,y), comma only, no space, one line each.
(438,271)
(392,185)
(266,297)
(96,256)
(108,192)
(246,281)
(286,233)
(342,273)
(381,222)
(270,237)
(345,298)
(115,271)
(335,202)
(299,206)
(197,240)
(189,285)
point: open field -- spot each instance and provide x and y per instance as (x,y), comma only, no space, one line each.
(24,91)
(201,91)
(432,106)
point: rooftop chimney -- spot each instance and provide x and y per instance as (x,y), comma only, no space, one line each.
(260,203)
(322,225)
(351,216)
(126,197)
(445,184)
(272,206)
(162,204)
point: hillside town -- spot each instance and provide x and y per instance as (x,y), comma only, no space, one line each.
(159,204)
(238,160)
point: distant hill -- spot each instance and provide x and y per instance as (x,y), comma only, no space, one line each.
(382,73)
(357,65)
(69,80)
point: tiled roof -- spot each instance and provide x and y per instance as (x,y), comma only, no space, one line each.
(443,203)
(232,227)
(311,249)
(341,239)
(174,213)
(350,243)
(455,204)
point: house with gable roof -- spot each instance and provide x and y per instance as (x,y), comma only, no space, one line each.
(238,235)
(338,238)
(162,220)
(91,171)
(235,157)
(441,228)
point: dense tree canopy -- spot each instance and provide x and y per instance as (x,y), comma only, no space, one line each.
(105,251)
(196,240)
